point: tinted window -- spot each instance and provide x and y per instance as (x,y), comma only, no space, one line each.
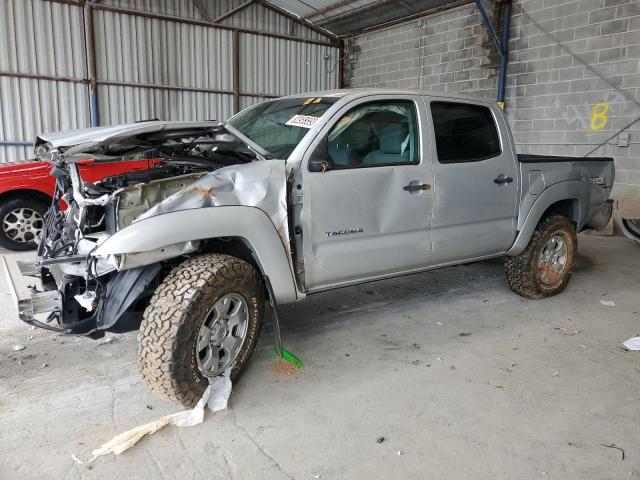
(374,134)
(464,133)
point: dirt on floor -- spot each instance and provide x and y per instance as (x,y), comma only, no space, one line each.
(462,378)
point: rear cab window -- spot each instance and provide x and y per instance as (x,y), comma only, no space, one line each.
(464,132)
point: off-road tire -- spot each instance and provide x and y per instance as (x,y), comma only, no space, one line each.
(169,330)
(522,271)
(13,204)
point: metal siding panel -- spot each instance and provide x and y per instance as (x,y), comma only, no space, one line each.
(128,104)
(260,18)
(29,107)
(15,154)
(273,66)
(41,38)
(177,8)
(246,101)
(141,50)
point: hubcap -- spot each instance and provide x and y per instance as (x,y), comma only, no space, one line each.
(22,225)
(222,334)
(553,260)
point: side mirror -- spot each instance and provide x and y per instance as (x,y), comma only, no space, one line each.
(320,160)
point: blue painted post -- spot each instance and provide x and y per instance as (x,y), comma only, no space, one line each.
(501,45)
(93,105)
(504,53)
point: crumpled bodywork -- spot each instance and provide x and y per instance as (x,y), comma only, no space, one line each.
(96,142)
(258,184)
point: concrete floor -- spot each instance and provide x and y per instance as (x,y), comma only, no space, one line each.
(461,376)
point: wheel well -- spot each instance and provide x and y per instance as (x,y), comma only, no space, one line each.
(26,193)
(569,208)
(234,246)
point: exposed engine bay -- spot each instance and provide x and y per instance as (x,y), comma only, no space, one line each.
(83,215)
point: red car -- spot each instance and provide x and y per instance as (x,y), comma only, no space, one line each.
(26,190)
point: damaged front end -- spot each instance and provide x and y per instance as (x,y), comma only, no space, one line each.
(80,292)
(75,286)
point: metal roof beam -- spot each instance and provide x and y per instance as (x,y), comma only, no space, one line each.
(233,11)
(202,10)
(328,8)
(297,19)
(332,41)
(406,18)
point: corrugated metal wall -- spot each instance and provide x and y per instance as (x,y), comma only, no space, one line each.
(273,66)
(39,38)
(145,67)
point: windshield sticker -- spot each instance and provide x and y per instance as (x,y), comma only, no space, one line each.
(304,121)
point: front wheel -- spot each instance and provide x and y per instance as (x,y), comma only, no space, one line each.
(203,319)
(545,267)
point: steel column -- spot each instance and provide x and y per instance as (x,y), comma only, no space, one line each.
(341,65)
(236,71)
(91,64)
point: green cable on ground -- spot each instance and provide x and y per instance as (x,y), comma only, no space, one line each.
(291,358)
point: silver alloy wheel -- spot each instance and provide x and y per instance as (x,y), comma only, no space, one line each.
(22,225)
(553,260)
(222,334)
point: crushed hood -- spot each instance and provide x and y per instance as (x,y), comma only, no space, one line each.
(118,140)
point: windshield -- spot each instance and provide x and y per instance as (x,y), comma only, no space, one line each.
(278,126)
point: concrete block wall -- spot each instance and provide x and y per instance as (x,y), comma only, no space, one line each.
(550,96)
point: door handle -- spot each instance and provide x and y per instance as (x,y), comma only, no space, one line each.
(501,179)
(416,187)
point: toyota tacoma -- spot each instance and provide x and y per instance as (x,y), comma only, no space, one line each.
(287,198)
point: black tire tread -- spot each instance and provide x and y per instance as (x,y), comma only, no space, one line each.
(164,339)
(520,270)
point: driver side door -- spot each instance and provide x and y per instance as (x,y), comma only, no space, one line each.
(367,194)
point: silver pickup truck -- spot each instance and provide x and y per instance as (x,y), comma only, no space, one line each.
(287,198)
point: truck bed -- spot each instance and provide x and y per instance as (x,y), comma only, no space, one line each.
(526,158)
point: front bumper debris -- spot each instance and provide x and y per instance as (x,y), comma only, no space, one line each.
(28,300)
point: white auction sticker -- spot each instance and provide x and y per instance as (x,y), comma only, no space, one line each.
(304,121)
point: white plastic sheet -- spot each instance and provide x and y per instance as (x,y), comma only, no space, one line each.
(215,397)
(632,344)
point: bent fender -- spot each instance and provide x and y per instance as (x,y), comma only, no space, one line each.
(251,224)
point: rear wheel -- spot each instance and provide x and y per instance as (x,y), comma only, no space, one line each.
(545,267)
(203,319)
(21,223)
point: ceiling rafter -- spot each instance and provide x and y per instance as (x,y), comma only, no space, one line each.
(297,19)
(328,8)
(233,11)
(202,10)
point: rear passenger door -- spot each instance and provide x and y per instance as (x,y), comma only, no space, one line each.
(367,193)
(476,183)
